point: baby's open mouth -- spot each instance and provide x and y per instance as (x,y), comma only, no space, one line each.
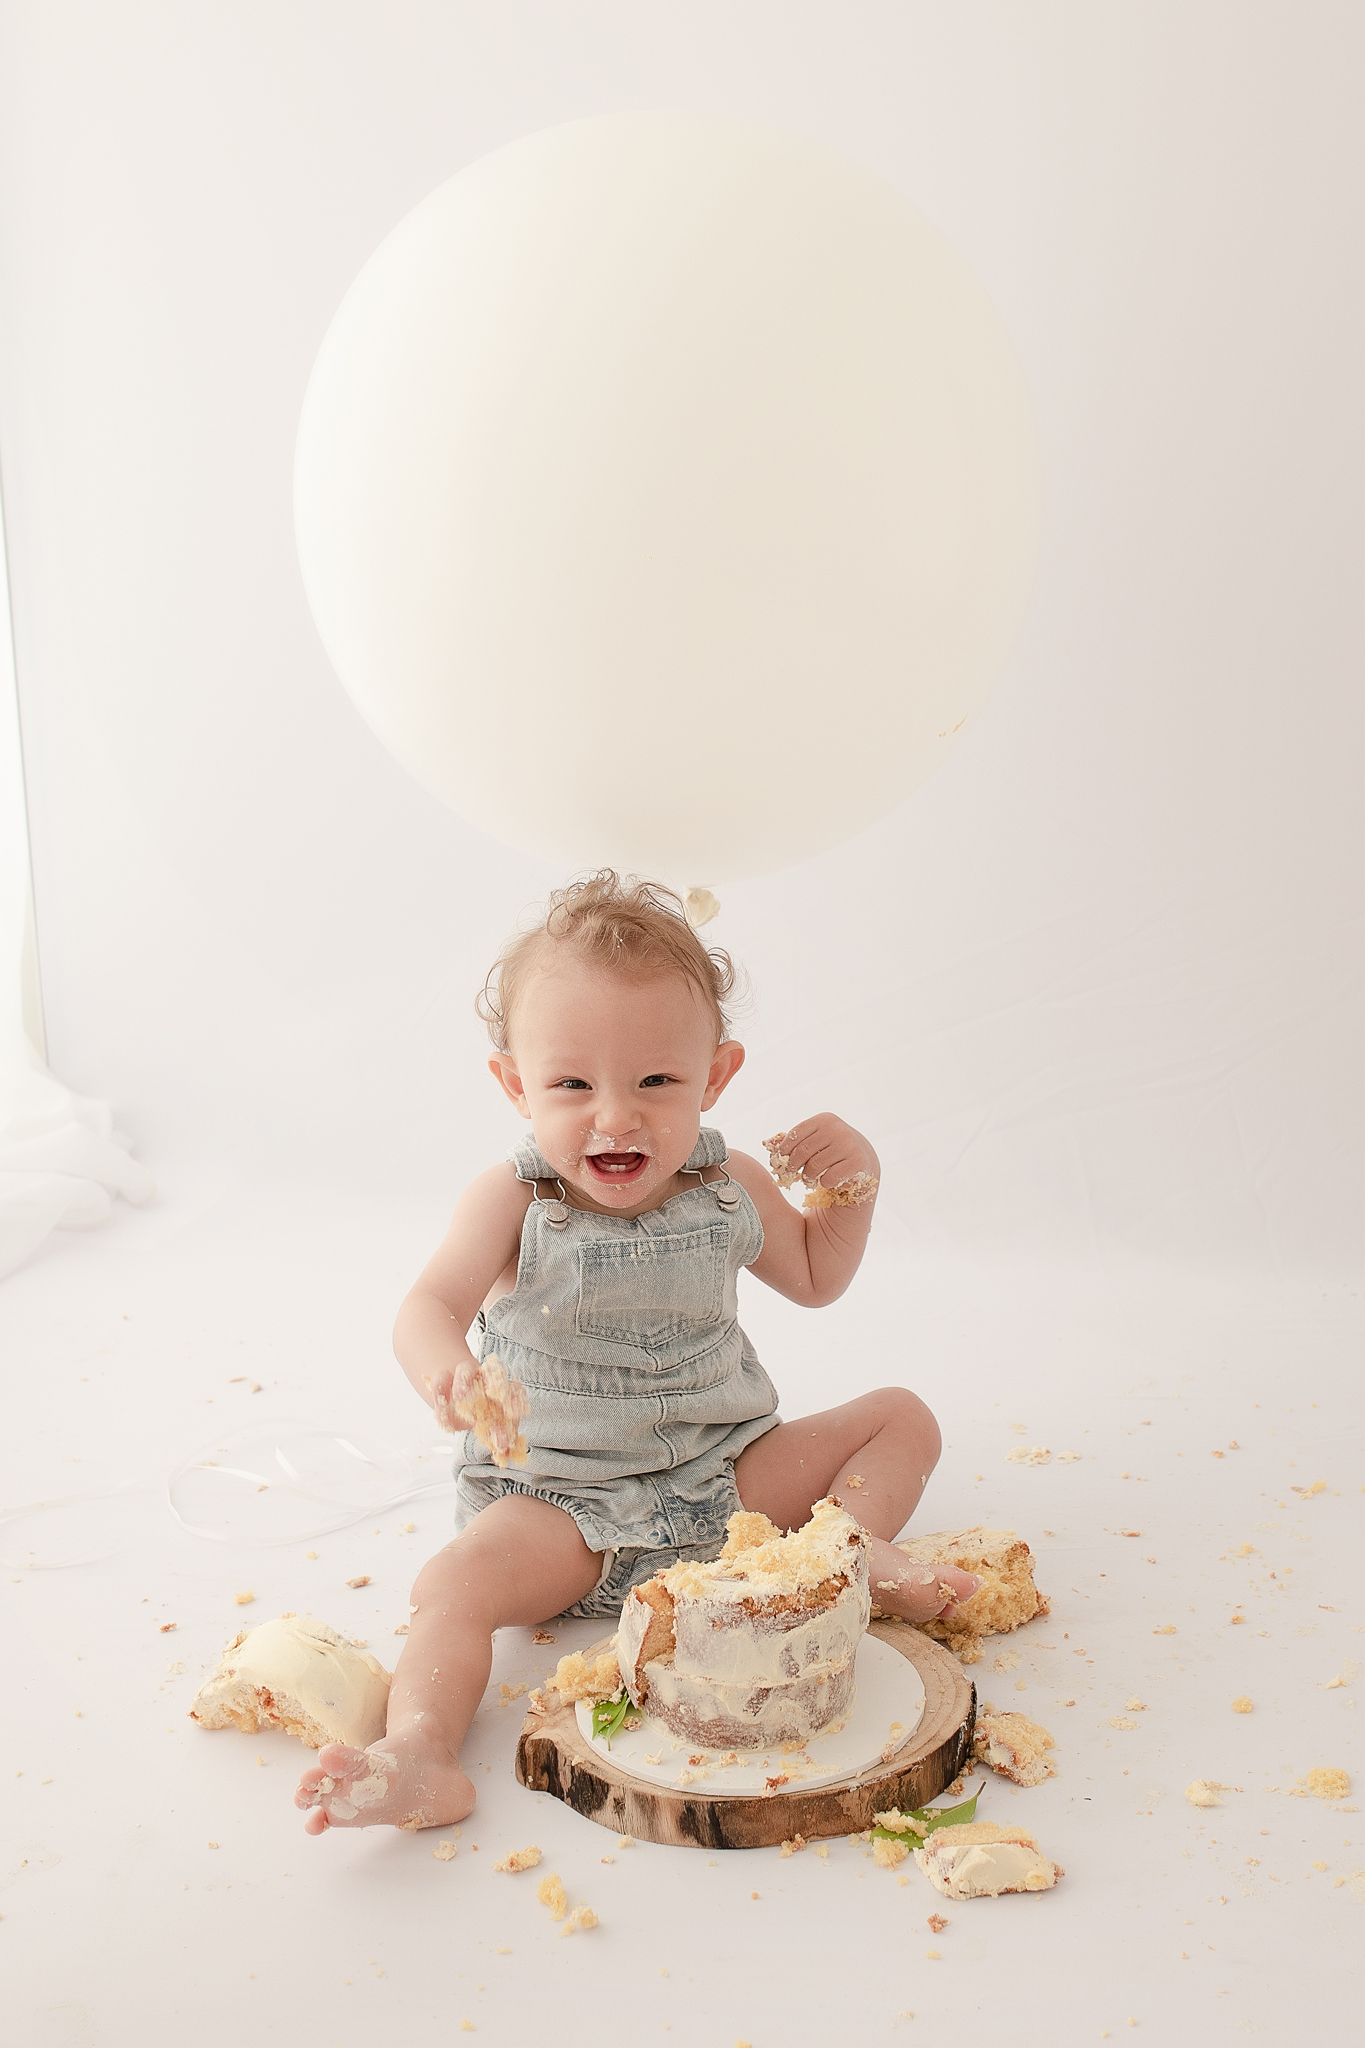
(615,1167)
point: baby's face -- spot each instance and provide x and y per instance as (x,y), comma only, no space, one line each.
(614,1074)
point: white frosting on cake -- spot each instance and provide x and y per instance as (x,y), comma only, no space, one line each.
(759,1647)
(300,1675)
(981,1861)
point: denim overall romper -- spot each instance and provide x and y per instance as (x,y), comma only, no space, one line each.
(643,1388)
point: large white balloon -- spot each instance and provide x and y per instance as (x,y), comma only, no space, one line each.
(667,494)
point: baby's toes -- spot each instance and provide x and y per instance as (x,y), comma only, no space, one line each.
(339,1760)
(329,1780)
(308,1790)
(964,1584)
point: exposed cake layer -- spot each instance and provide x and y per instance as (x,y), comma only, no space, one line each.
(1014,1746)
(759,1646)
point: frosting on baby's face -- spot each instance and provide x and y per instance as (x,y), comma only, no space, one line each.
(614,1072)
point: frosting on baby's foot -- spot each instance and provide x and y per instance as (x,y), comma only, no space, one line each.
(394,1783)
(917,1592)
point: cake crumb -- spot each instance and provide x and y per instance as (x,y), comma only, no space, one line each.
(625,1841)
(795,1845)
(443,1851)
(243,1599)
(356,1584)
(1167,1629)
(550,1892)
(544,1635)
(1243,1704)
(1025,1454)
(936,1923)
(1322,1782)
(888,1853)
(580,1920)
(519,1859)
(511,1692)
(1204,1792)
(1135,1705)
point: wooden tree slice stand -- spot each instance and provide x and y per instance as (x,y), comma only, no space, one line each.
(553,1756)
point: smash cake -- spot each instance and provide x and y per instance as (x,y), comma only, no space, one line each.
(757,1648)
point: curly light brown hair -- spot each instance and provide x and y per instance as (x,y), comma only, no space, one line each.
(626,926)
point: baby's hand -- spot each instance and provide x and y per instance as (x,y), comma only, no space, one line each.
(485,1398)
(451,1392)
(836,1162)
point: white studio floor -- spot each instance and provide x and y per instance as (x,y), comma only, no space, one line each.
(157,1883)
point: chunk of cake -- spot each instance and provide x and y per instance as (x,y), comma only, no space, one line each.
(299,1675)
(757,1648)
(1014,1746)
(577,1677)
(1006,1597)
(981,1860)
(846,1194)
(493,1407)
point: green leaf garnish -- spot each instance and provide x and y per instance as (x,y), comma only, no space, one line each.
(926,1819)
(608,1716)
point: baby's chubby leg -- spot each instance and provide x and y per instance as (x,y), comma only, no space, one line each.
(519,1562)
(876,1454)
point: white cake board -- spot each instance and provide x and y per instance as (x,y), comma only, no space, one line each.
(888,1701)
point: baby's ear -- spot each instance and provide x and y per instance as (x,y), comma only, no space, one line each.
(509,1080)
(726,1064)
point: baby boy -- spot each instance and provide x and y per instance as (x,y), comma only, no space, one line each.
(601,1265)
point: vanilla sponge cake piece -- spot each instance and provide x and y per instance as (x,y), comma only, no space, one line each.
(982,1861)
(757,1648)
(1014,1746)
(299,1675)
(1006,1598)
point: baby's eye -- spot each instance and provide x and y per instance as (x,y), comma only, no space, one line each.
(571,1084)
(656,1080)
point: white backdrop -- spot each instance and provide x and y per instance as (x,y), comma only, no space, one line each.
(1094,990)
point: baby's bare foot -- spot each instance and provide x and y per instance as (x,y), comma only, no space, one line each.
(402,1781)
(916,1592)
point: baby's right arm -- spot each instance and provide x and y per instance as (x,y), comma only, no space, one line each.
(483,1240)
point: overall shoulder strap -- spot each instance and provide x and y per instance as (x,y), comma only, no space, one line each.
(529,1161)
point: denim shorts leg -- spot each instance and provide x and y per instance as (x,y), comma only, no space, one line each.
(691,1509)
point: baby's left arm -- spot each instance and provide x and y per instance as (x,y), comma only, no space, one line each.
(811,1254)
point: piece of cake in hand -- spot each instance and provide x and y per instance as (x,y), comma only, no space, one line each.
(1006,1598)
(299,1675)
(759,1647)
(1014,1746)
(982,1861)
(846,1194)
(493,1405)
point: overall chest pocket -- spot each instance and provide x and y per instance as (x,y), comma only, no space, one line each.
(653,1291)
